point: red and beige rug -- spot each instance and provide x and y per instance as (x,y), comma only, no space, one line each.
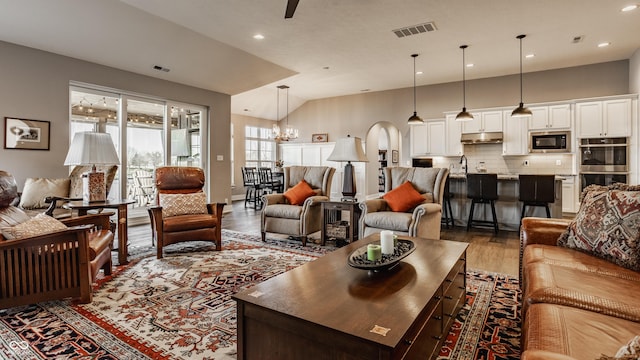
(180,307)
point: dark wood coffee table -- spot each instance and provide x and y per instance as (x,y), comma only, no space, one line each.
(326,309)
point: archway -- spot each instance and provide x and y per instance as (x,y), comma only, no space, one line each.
(383,140)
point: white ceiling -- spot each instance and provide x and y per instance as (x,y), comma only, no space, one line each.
(209,43)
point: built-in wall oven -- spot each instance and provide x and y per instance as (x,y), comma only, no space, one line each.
(603,161)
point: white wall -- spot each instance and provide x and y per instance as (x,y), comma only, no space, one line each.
(35,85)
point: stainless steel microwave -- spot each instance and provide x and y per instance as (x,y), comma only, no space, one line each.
(549,141)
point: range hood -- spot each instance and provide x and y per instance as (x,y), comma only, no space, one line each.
(482,138)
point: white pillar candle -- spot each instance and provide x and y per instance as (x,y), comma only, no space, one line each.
(386,242)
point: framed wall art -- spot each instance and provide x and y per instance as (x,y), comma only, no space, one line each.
(394,156)
(24,134)
(316,138)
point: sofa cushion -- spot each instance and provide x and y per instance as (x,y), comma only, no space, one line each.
(560,285)
(396,221)
(188,222)
(607,226)
(403,198)
(39,225)
(37,189)
(574,332)
(283,211)
(183,204)
(559,256)
(299,193)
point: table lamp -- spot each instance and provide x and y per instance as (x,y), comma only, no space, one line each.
(92,148)
(348,149)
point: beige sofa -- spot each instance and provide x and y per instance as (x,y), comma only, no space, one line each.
(279,216)
(423,220)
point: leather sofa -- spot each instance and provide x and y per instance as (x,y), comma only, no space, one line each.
(575,305)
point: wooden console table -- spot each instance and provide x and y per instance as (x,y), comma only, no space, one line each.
(121,206)
(326,309)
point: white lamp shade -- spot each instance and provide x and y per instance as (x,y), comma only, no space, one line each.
(348,149)
(92,148)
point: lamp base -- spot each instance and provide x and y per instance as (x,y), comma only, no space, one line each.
(93,187)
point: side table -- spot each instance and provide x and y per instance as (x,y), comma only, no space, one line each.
(121,205)
(331,212)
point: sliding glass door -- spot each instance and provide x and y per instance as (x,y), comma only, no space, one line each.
(147,133)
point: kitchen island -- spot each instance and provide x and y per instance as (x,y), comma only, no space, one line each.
(508,208)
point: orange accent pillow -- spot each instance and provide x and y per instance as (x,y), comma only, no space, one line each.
(299,193)
(403,198)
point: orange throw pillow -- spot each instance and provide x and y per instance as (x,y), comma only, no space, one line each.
(403,198)
(299,193)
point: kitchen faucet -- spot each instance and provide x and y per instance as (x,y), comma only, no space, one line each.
(464,158)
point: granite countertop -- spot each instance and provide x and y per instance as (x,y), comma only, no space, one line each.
(512,177)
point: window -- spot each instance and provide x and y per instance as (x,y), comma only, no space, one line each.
(259,147)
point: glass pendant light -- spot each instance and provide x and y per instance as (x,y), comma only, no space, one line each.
(521,111)
(464,115)
(289,132)
(414,119)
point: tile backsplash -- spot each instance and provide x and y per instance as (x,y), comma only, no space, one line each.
(494,162)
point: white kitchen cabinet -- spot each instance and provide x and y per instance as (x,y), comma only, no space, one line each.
(569,195)
(428,138)
(554,117)
(514,141)
(609,118)
(485,121)
(453,131)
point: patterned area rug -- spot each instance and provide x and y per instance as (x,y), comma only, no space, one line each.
(488,326)
(180,307)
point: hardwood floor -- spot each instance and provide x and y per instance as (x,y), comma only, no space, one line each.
(487,251)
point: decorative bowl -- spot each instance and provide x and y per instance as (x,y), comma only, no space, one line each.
(358,258)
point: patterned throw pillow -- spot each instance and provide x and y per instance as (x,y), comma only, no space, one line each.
(183,204)
(39,225)
(630,351)
(607,226)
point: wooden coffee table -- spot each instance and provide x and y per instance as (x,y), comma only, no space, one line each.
(326,309)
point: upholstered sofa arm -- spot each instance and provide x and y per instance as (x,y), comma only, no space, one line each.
(425,221)
(544,355)
(373,205)
(270,199)
(541,230)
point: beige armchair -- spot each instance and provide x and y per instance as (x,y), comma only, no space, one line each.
(279,216)
(423,220)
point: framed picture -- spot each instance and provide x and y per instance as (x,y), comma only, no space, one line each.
(26,134)
(394,156)
(319,138)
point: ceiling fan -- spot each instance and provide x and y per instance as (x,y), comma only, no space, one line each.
(291,8)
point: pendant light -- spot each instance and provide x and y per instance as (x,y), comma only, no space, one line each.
(464,115)
(521,111)
(289,133)
(414,119)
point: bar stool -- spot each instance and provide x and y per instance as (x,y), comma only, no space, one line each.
(536,190)
(482,189)
(447,212)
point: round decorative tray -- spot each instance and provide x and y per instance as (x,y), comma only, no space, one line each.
(358,258)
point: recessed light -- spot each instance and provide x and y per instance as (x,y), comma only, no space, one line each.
(529,56)
(471,65)
(258,36)
(629,8)
(604,44)
(326,68)
(418,72)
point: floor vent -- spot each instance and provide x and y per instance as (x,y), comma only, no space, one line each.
(415,29)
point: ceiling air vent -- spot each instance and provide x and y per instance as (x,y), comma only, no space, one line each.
(415,29)
(577,39)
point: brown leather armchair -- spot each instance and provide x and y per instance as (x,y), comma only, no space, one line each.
(205,226)
(51,266)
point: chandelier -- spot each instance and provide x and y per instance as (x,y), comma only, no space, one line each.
(289,132)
